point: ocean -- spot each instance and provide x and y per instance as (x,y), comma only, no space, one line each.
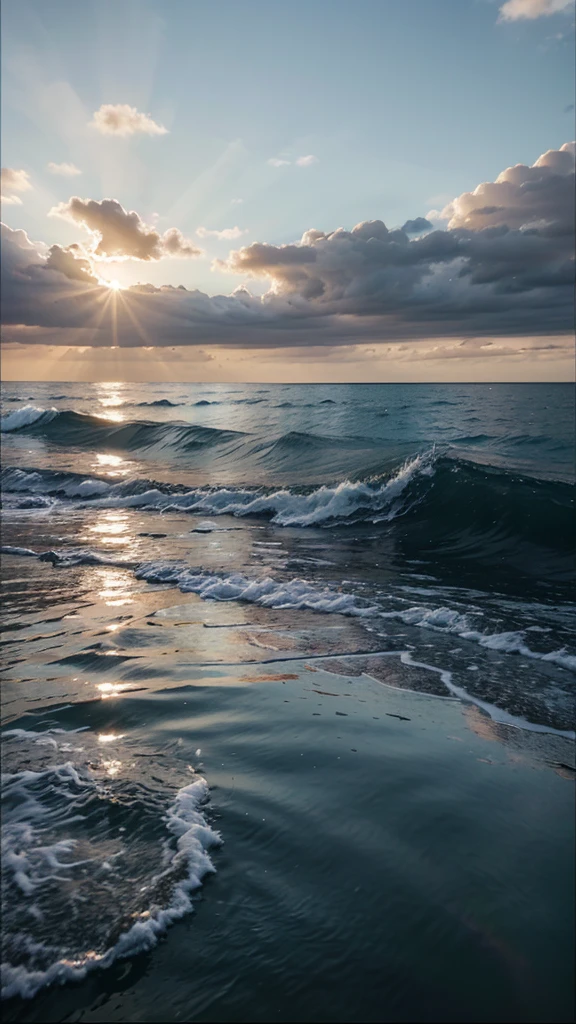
(201,582)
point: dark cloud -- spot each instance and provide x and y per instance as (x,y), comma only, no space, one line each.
(70,263)
(416,226)
(366,285)
(122,234)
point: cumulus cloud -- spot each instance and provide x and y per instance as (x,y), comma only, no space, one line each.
(521,196)
(306,161)
(12,181)
(416,226)
(120,234)
(122,119)
(226,234)
(71,263)
(367,285)
(65,170)
(275,161)
(516,10)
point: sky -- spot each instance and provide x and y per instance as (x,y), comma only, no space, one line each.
(317,190)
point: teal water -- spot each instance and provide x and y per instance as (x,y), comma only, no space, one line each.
(288,702)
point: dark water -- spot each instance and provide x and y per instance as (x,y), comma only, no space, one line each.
(320,639)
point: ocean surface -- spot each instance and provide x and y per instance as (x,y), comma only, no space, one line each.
(288,702)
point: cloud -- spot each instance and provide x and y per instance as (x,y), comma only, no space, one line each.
(236,202)
(227,233)
(521,196)
(301,161)
(416,226)
(515,10)
(66,170)
(120,234)
(12,181)
(71,263)
(365,286)
(121,119)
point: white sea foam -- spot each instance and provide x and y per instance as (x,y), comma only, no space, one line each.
(286,508)
(299,594)
(40,851)
(447,620)
(25,416)
(270,593)
(290,509)
(495,713)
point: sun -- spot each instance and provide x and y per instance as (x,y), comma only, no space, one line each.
(114,286)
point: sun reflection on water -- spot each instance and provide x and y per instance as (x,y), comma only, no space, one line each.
(112,689)
(114,584)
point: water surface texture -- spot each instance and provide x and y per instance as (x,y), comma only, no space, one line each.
(288,702)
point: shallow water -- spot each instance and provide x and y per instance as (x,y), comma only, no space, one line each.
(319,639)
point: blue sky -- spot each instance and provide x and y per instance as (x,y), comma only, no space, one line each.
(403,105)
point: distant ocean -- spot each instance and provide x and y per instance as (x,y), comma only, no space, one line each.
(184,566)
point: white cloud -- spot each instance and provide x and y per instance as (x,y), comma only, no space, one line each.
(12,181)
(236,202)
(515,10)
(521,196)
(121,119)
(435,215)
(119,234)
(65,170)
(301,161)
(226,233)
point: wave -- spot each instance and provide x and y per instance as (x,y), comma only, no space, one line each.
(163,403)
(77,429)
(298,594)
(443,491)
(287,507)
(25,417)
(444,507)
(448,620)
(59,849)
(294,594)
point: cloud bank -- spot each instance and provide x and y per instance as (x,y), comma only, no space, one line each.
(502,267)
(121,119)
